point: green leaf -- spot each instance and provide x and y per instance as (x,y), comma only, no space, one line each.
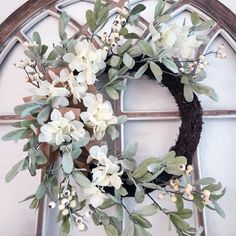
(44,114)
(198,202)
(156,70)
(111,230)
(130,151)
(40,157)
(65,227)
(63,22)
(141,71)
(218,196)
(112,93)
(159,8)
(30,110)
(204,25)
(36,38)
(113,132)
(188,93)
(201,75)
(218,209)
(28,198)
(139,195)
(67,163)
(128,60)
(91,21)
(129,230)
(14,135)
(80,179)
(185,213)
(122,119)
(137,219)
(140,231)
(179,222)
(30,54)
(41,190)
(34,204)
(97,7)
(131,36)
(195,18)
(145,48)
(76,153)
(14,171)
(169,63)
(103,16)
(137,9)
(52,56)
(213,187)
(205,181)
(179,203)
(114,61)
(163,18)
(147,210)
(108,202)
(125,47)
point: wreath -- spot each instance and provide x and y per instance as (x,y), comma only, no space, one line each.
(68,124)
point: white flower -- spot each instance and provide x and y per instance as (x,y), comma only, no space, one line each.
(108,172)
(62,129)
(99,114)
(94,195)
(174,38)
(77,89)
(50,89)
(87,61)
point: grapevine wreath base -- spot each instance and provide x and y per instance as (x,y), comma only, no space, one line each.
(189,131)
(65,121)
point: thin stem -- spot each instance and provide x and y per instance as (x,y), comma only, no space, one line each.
(125,208)
(156,203)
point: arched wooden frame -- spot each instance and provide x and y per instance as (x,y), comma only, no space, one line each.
(225,19)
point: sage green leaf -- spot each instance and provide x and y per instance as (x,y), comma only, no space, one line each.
(41,190)
(91,21)
(142,169)
(129,230)
(115,60)
(179,222)
(137,9)
(102,16)
(195,18)
(145,48)
(52,56)
(213,187)
(28,198)
(122,119)
(36,38)
(163,18)
(76,153)
(34,204)
(40,157)
(148,210)
(123,31)
(130,151)
(140,231)
(122,191)
(201,75)
(185,213)
(198,202)
(156,70)
(30,54)
(111,230)
(135,51)
(169,63)
(139,195)
(113,132)
(128,60)
(218,196)
(43,115)
(131,36)
(141,221)
(128,164)
(159,8)
(204,25)
(112,93)
(62,24)
(67,163)
(107,204)
(188,93)
(14,135)
(97,7)
(125,47)
(20,108)
(141,71)
(30,110)
(65,227)
(218,209)
(44,49)
(80,179)
(14,171)
(179,203)
(205,181)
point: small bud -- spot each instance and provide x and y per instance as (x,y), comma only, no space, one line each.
(190,197)
(181,69)
(65,212)
(52,205)
(73,204)
(61,207)
(80,227)
(202,58)
(66,193)
(64,201)
(221,46)
(160,195)
(206,193)
(182,167)
(79,220)
(189,167)
(173,198)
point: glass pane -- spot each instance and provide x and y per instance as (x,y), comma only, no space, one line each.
(13,86)
(147,95)
(217,158)
(16,218)
(221,75)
